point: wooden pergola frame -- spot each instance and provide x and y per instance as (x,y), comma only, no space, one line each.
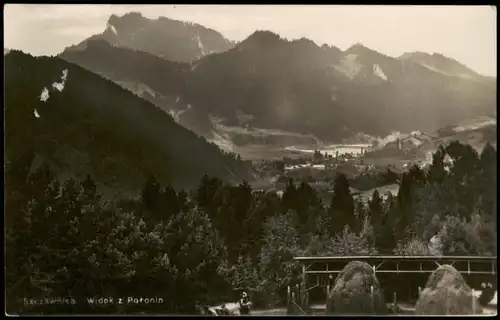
(327,266)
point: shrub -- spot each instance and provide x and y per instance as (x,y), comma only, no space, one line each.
(473,236)
(412,247)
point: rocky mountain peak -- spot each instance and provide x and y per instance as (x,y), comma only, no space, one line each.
(166,38)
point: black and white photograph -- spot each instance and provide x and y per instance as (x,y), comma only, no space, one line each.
(250,160)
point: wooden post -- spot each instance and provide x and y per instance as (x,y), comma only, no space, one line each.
(304,274)
(299,296)
(307,302)
(473,302)
(371,294)
(305,285)
(288,292)
(395,303)
(446,301)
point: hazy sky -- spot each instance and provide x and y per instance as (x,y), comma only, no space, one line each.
(465,33)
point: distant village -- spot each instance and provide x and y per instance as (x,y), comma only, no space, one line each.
(362,168)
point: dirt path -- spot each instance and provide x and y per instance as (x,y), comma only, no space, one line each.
(269,312)
(407,309)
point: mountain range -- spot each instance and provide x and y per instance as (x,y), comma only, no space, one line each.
(143,97)
(296,87)
(81,123)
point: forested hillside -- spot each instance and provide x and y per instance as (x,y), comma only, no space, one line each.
(83,124)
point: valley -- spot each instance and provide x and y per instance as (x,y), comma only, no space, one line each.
(317,163)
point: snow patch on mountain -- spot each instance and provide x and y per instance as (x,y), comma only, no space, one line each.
(141,88)
(112,28)
(59,86)
(176,114)
(137,88)
(378,72)
(349,66)
(200,45)
(194,66)
(223,141)
(44,96)
(461,75)
(434,69)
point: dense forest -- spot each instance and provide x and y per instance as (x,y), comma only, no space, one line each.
(81,123)
(198,247)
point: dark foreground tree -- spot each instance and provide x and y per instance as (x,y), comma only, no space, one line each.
(70,243)
(342,206)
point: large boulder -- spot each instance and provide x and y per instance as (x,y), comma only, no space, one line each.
(447,293)
(352,292)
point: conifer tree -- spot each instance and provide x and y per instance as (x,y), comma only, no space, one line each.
(342,205)
(436,172)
